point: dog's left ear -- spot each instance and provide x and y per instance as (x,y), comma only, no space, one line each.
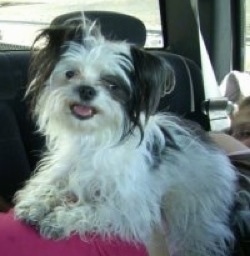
(153,78)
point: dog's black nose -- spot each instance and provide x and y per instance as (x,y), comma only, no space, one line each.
(87,93)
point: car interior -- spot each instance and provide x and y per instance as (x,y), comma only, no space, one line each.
(21,146)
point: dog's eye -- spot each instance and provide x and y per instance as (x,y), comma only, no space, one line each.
(110,83)
(113,87)
(70,74)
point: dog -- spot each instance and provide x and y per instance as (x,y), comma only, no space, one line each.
(113,165)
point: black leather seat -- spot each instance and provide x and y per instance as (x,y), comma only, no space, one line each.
(19,144)
(188,94)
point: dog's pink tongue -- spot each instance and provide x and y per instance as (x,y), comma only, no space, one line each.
(83,111)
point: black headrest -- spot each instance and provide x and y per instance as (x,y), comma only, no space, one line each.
(188,94)
(13,74)
(115,26)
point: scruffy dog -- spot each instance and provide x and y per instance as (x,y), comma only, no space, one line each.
(114,166)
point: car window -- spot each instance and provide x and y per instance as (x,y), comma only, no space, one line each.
(20,20)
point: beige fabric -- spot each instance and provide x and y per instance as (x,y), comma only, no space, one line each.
(158,245)
(228,143)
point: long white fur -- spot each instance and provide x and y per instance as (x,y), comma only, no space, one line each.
(89,182)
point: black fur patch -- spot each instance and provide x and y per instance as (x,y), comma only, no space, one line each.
(157,152)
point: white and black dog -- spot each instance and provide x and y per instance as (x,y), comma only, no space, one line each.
(113,165)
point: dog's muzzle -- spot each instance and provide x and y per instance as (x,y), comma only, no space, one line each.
(83,110)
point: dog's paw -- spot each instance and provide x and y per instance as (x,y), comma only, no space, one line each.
(31,214)
(50,228)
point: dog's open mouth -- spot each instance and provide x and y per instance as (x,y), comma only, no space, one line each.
(82,111)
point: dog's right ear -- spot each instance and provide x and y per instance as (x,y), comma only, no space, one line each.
(45,53)
(47,48)
(52,42)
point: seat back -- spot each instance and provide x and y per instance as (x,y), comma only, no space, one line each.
(187,96)
(19,145)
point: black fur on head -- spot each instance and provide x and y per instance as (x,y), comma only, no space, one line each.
(49,45)
(151,79)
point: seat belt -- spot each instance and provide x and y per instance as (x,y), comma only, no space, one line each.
(215,106)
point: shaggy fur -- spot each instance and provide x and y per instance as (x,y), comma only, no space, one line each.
(113,165)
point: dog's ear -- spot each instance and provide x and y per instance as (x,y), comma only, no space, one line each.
(153,78)
(50,44)
(45,53)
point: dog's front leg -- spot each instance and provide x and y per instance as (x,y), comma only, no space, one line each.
(36,199)
(66,220)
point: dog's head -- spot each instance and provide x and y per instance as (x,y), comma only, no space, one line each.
(85,83)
